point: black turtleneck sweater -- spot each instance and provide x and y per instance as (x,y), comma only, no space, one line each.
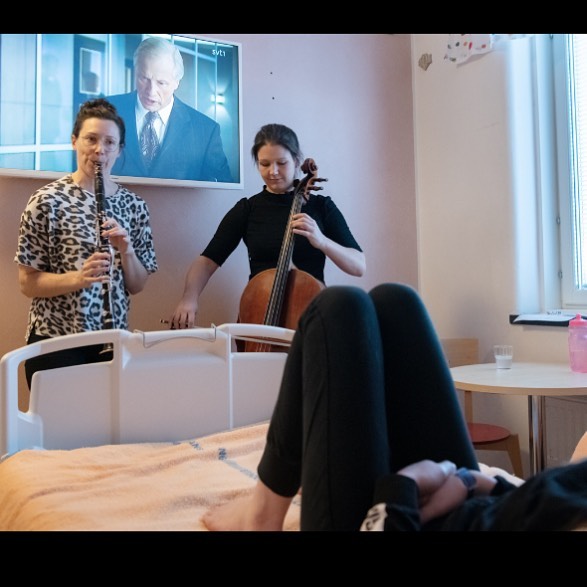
(260,221)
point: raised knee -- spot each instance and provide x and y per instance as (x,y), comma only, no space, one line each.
(340,298)
(399,292)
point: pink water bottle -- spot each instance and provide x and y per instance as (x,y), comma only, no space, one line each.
(578,344)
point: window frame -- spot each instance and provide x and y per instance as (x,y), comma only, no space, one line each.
(570,296)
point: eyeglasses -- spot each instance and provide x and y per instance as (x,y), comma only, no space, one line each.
(91,141)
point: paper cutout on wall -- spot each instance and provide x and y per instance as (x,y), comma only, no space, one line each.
(461,48)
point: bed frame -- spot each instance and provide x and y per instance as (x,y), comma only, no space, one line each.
(160,386)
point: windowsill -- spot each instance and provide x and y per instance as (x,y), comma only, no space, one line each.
(561,318)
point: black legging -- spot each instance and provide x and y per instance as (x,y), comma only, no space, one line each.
(66,358)
(366,390)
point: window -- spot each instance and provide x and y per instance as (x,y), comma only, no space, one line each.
(570,88)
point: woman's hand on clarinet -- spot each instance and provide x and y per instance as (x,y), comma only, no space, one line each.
(117,235)
(96,269)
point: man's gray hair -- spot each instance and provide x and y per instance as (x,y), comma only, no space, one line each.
(157,47)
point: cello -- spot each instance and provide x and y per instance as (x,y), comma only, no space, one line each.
(278,297)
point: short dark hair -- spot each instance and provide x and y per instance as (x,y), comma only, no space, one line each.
(277,134)
(102,109)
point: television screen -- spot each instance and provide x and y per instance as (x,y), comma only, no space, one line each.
(45,77)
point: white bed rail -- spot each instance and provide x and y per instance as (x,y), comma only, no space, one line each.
(166,385)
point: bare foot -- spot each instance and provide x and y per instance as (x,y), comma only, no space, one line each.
(261,510)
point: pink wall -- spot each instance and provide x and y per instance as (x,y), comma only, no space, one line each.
(349,98)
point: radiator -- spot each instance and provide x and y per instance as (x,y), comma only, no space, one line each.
(566,422)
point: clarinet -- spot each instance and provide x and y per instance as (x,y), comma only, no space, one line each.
(103,246)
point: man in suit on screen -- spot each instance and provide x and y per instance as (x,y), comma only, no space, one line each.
(166,138)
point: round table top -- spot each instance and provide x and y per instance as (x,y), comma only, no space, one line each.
(548,379)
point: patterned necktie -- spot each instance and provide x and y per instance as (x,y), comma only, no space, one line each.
(149,140)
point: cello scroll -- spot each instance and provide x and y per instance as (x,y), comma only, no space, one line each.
(307,184)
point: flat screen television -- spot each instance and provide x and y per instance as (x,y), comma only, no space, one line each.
(45,77)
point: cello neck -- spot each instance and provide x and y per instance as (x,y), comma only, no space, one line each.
(275,305)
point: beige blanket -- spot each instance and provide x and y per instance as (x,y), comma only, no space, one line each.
(161,486)
(131,487)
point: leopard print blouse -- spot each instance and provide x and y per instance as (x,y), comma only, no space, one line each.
(58,232)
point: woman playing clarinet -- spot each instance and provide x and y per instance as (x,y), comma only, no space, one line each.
(62,266)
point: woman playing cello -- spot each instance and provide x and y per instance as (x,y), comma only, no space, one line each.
(261,221)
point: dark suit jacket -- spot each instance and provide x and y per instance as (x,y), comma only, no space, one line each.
(191,148)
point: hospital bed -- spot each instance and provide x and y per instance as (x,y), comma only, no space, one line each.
(172,411)
(173,424)
(159,386)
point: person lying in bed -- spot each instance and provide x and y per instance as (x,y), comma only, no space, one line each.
(368,423)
